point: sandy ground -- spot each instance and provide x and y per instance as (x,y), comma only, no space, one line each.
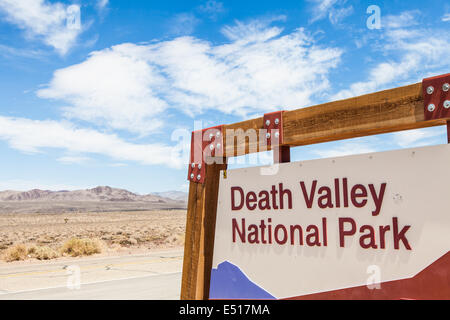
(120,233)
(86,206)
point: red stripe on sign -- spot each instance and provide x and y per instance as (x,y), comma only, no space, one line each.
(431,283)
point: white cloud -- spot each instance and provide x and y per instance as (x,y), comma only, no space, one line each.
(321,8)
(32,136)
(390,141)
(254,30)
(101,4)
(337,15)
(403,20)
(129,86)
(117,87)
(335,10)
(212,8)
(345,149)
(183,24)
(410,54)
(73,160)
(56,24)
(118,165)
(419,137)
(446,17)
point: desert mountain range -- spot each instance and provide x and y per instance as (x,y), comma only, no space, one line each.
(101,193)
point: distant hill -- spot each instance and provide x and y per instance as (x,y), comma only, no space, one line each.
(174,195)
(102,198)
(104,193)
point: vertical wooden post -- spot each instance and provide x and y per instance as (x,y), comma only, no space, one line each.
(200,232)
(448,131)
(282,154)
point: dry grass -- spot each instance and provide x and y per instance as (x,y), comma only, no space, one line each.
(81,247)
(42,253)
(15,253)
(73,247)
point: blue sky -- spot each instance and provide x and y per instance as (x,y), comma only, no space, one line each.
(108,98)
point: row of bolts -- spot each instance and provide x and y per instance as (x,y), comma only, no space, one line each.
(211,146)
(430,90)
(277,135)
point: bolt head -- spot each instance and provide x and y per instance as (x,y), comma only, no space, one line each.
(447,104)
(431,107)
(267,135)
(211,136)
(277,121)
(218,134)
(267,123)
(430,90)
(199,165)
(277,135)
(192,176)
(445,87)
(199,177)
(211,147)
(218,146)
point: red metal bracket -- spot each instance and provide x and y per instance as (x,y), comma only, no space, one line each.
(436,97)
(273,123)
(205,144)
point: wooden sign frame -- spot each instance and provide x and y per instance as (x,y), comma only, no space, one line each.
(385,111)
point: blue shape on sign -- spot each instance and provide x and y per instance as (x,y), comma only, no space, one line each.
(229,282)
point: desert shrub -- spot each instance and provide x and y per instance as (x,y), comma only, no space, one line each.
(176,239)
(42,253)
(124,241)
(31,250)
(81,247)
(15,253)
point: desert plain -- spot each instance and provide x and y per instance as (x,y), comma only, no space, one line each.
(116,233)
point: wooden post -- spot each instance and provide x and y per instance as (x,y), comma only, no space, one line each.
(282,154)
(200,232)
(448,131)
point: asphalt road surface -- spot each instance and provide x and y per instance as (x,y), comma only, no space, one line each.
(143,277)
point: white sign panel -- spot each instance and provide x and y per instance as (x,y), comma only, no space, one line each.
(365,226)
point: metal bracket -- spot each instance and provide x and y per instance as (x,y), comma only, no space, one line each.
(206,143)
(273,124)
(436,97)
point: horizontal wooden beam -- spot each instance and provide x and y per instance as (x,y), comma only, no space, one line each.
(381,112)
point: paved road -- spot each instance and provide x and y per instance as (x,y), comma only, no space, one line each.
(152,276)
